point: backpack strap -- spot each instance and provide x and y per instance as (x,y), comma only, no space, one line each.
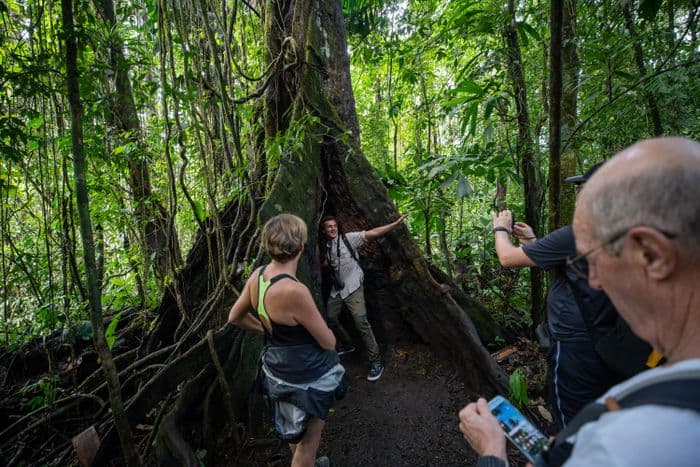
(353,253)
(678,390)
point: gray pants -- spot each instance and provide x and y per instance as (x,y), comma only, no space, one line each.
(356,305)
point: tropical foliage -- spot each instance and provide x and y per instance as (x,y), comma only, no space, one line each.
(435,103)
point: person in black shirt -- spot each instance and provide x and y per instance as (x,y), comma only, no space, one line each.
(576,372)
(636,225)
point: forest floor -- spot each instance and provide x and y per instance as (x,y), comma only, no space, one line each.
(406,418)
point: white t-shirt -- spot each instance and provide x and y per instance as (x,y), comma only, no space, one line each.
(350,272)
(648,435)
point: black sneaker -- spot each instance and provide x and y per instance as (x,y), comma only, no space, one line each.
(375,371)
(343,349)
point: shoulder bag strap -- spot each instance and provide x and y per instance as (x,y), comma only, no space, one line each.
(353,253)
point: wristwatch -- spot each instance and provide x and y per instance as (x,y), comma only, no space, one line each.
(500,229)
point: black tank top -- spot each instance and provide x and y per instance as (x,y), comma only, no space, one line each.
(280,334)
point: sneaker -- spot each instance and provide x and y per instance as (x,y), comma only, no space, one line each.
(343,349)
(375,371)
(322,461)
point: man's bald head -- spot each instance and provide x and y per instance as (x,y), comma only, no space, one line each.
(655,183)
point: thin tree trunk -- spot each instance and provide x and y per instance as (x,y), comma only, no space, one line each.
(72,82)
(4,190)
(555,91)
(525,150)
(652,105)
(569,118)
(442,237)
(426,232)
(671,31)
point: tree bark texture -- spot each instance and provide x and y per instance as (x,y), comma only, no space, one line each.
(569,104)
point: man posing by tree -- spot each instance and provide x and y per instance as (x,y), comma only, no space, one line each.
(342,257)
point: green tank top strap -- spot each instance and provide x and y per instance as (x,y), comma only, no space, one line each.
(263,286)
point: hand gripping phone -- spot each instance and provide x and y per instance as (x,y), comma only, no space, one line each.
(517,428)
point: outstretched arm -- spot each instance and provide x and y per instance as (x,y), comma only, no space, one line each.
(384,229)
(509,255)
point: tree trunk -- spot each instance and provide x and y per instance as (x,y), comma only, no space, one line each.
(569,118)
(330,174)
(94,293)
(525,151)
(442,236)
(652,105)
(555,91)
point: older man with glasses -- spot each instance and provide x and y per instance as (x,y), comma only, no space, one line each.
(637,223)
(580,366)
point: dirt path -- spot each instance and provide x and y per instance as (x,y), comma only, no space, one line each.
(406,418)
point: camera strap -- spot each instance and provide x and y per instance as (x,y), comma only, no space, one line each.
(352,251)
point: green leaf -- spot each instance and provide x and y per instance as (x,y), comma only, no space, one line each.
(469,87)
(464,188)
(488,107)
(456,101)
(526,28)
(36,402)
(435,170)
(199,210)
(624,75)
(488,133)
(517,386)
(449,180)
(110,334)
(473,115)
(8,190)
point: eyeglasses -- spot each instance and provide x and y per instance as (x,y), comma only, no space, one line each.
(579,265)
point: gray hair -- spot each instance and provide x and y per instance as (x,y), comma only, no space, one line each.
(666,197)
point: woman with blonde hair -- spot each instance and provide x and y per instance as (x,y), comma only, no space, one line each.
(300,371)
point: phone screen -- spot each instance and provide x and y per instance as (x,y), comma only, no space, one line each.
(517,428)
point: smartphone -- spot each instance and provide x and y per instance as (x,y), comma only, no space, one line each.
(517,428)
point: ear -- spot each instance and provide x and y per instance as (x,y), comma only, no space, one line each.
(653,250)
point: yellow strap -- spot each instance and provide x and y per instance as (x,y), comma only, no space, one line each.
(654,359)
(263,285)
